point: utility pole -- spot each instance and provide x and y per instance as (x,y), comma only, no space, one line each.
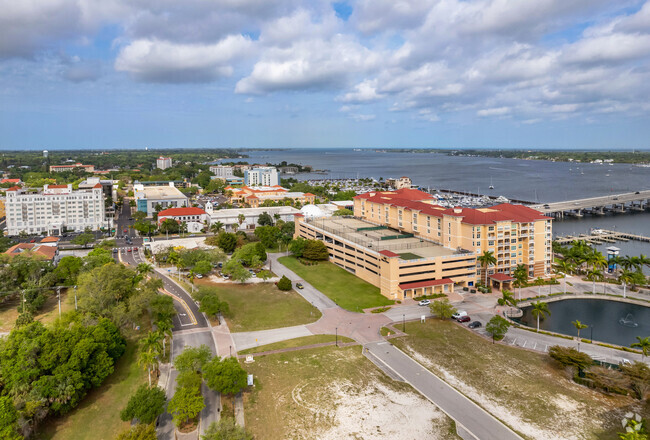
(58,293)
(75,297)
(337,337)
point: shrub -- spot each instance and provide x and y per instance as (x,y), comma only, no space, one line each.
(145,405)
(316,250)
(284,283)
(380,310)
(569,356)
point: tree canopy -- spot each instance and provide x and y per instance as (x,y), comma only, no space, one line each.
(145,405)
(225,376)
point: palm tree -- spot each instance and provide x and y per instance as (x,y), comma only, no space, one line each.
(234,226)
(144,268)
(593,276)
(566,268)
(182,228)
(152,342)
(241,218)
(539,282)
(643,344)
(146,360)
(521,276)
(626,277)
(191,277)
(579,326)
(165,330)
(540,309)
(507,299)
(216,227)
(597,260)
(487,259)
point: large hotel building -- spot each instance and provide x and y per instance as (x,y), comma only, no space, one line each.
(405,244)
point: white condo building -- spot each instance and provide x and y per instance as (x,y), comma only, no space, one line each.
(262,176)
(221,171)
(55,208)
(164,162)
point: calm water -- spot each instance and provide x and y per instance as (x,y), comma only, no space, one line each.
(542,181)
(601,315)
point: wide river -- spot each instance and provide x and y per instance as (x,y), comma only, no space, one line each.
(533,180)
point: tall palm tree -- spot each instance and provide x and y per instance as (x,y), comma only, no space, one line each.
(146,360)
(152,342)
(593,276)
(626,277)
(644,260)
(540,309)
(241,218)
(643,344)
(216,227)
(579,326)
(165,330)
(566,268)
(235,226)
(521,276)
(486,259)
(597,260)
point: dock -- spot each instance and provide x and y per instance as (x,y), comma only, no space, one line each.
(604,236)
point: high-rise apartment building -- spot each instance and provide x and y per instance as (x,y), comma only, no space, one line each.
(54,209)
(163,163)
(261,176)
(221,171)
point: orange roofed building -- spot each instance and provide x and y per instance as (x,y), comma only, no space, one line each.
(255,196)
(515,234)
(33,249)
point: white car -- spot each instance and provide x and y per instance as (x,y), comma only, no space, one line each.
(424,302)
(458,314)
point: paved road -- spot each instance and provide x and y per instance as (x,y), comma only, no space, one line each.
(247,340)
(593,202)
(466,413)
(309,292)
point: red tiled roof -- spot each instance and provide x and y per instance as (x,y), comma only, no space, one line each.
(389,253)
(57,186)
(404,193)
(44,251)
(501,277)
(13,188)
(50,239)
(174,212)
(10,181)
(99,185)
(309,195)
(298,215)
(429,283)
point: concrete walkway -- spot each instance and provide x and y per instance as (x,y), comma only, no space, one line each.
(472,421)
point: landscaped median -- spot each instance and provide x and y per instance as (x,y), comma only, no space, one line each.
(525,390)
(345,289)
(304,341)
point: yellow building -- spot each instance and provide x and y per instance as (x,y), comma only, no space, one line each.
(515,234)
(256,196)
(400,264)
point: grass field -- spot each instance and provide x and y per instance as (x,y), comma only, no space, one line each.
(341,286)
(334,393)
(523,389)
(262,306)
(296,342)
(98,415)
(47,314)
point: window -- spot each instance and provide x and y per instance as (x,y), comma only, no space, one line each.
(491,228)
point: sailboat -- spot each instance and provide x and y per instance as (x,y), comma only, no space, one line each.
(491,186)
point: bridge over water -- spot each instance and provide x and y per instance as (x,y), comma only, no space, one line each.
(632,201)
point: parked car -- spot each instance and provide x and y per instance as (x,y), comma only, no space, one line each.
(475,324)
(464,318)
(135,248)
(199,276)
(115,250)
(458,314)
(424,302)
(128,249)
(33,240)
(300,286)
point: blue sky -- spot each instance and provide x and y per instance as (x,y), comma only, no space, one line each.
(292,73)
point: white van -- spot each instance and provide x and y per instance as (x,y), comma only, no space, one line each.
(458,314)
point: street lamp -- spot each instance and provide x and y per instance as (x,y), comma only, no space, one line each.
(75,297)
(337,337)
(404,323)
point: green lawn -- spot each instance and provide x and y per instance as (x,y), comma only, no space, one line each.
(47,314)
(409,256)
(261,306)
(526,389)
(347,290)
(296,342)
(98,415)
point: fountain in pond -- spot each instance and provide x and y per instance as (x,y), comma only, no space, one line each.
(628,321)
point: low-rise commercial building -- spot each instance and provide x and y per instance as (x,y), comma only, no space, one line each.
(37,250)
(148,198)
(250,216)
(515,234)
(400,264)
(257,195)
(54,209)
(194,218)
(62,168)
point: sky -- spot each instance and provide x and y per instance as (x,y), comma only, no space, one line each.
(315,74)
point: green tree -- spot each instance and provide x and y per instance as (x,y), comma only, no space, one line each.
(186,404)
(265,219)
(210,304)
(497,327)
(202,267)
(225,376)
(68,269)
(264,275)
(226,429)
(138,432)
(507,299)
(147,360)
(625,277)
(569,356)
(192,359)
(216,227)
(268,235)
(83,239)
(539,310)
(442,309)
(96,258)
(145,405)
(593,276)
(342,212)
(236,271)
(144,268)
(8,419)
(315,250)
(579,326)
(169,226)
(297,246)
(227,241)
(486,259)
(284,283)
(643,344)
